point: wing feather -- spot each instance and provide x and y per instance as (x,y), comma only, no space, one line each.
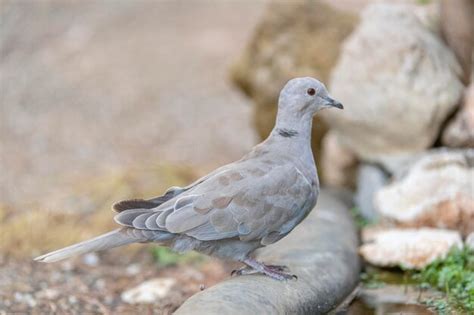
(222,209)
(250,201)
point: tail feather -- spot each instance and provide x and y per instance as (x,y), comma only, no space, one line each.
(112,239)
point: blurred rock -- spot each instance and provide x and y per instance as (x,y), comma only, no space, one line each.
(48,294)
(436,191)
(457,26)
(460,130)
(133,269)
(149,291)
(91,259)
(25,298)
(297,38)
(470,241)
(370,178)
(399,82)
(409,248)
(338,162)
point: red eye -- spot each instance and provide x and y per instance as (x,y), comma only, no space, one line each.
(311,91)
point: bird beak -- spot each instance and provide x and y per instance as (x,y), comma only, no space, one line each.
(332,102)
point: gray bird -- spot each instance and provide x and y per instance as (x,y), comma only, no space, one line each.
(239,207)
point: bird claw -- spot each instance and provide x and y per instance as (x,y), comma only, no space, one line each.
(243,271)
(281,276)
(276,272)
(277,267)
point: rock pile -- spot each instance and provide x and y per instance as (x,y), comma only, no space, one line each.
(402,83)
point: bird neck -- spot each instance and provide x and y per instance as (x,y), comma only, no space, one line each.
(293,126)
(292,136)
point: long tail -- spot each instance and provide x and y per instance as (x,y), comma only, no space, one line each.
(112,239)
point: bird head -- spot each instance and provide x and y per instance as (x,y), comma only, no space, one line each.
(306,95)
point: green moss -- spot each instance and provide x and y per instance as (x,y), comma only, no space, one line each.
(453,275)
(359,219)
(374,277)
(165,257)
(372,280)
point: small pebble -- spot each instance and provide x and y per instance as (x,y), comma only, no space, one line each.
(150,291)
(100,284)
(67,266)
(91,259)
(50,294)
(72,299)
(109,299)
(133,269)
(25,298)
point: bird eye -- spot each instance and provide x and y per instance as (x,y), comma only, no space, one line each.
(311,91)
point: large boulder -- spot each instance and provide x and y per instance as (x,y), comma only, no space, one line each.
(398,82)
(436,191)
(297,38)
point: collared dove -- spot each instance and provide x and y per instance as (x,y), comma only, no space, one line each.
(239,207)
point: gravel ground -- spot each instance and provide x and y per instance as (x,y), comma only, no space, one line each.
(90,286)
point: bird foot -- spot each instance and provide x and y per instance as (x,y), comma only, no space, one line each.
(243,271)
(276,272)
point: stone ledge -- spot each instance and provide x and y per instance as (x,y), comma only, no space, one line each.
(321,251)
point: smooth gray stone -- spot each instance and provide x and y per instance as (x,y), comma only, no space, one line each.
(321,251)
(370,178)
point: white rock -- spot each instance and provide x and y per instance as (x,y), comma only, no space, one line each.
(25,298)
(49,294)
(149,291)
(72,299)
(436,191)
(398,83)
(409,248)
(133,269)
(91,259)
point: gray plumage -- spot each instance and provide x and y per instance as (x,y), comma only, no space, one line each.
(239,207)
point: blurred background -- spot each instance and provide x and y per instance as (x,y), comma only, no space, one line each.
(106,100)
